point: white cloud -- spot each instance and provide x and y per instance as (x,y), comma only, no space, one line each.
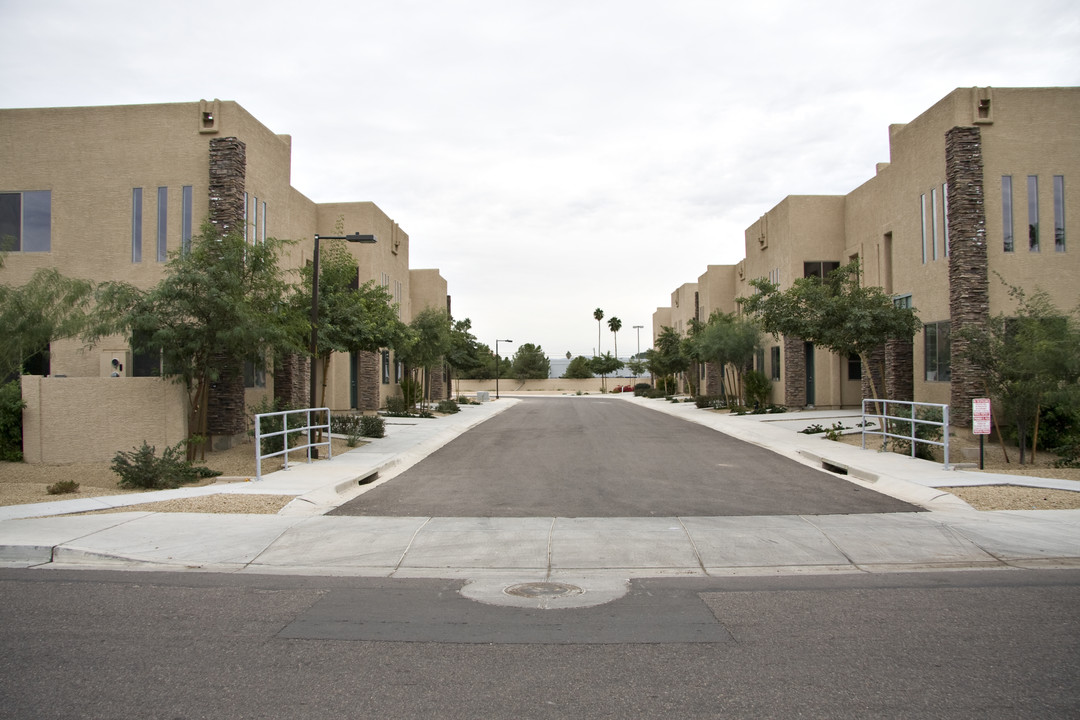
(552,157)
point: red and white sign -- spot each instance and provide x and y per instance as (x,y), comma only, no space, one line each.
(980,416)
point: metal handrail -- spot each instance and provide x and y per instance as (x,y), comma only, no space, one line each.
(307,429)
(911,420)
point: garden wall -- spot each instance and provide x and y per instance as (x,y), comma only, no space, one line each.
(89,419)
(510,386)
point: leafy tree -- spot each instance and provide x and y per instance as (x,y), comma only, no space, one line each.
(464,353)
(667,357)
(637,366)
(216,305)
(728,341)
(49,307)
(604,365)
(837,313)
(352,317)
(430,330)
(486,369)
(598,315)
(1028,360)
(578,369)
(615,325)
(530,363)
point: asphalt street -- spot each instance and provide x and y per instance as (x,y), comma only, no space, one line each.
(554,457)
(92,644)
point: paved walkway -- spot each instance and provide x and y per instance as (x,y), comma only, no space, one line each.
(594,554)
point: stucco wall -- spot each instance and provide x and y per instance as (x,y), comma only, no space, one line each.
(70,420)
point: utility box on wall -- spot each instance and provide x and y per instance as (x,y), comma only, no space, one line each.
(116,363)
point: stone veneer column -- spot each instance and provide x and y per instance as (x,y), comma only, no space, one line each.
(794,372)
(712,379)
(969,302)
(228,167)
(228,170)
(291,380)
(899,370)
(368,379)
(877,361)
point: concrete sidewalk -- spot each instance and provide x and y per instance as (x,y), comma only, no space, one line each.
(594,555)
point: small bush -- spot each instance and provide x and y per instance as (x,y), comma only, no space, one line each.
(923,451)
(448,407)
(11,407)
(372,426)
(396,405)
(757,386)
(642,389)
(142,469)
(63,487)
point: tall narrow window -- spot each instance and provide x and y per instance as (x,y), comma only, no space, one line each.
(245,217)
(162,224)
(1007,213)
(774,358)
(1059,213)
(937,351)
(136,225)
(934,222)
(186,213)
(922,210)
(262,223)
(1033,213)
(945,215)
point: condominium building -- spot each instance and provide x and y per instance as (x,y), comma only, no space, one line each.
(977,188)
(108,193)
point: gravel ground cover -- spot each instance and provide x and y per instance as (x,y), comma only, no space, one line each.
(21,483)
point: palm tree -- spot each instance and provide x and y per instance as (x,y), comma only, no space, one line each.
(615,324)
(598,315)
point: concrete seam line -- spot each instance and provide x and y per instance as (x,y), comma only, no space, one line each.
(833,543)
(697,552)
(397,565)
(550,542)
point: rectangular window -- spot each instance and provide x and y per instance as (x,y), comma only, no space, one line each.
(162,224)
(1033,212)
(759,360)
(26,221)
(1059,213)
(937,351)
(145,356)
(774,361)
(902,301)
(186,213)
(922,210)
(399,371)
(255,371)
(854,367)
(819,269)
(933,224)
(386,367)
(136,225)
(945,215)
(245,217)
(1007,213)
(262,224)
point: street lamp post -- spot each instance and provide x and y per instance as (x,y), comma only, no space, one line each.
(497,365)
(638,356)
(353,238)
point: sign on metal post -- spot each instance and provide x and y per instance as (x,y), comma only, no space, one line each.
(980,425)
(980,416)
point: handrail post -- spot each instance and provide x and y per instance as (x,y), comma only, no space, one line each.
(258,449)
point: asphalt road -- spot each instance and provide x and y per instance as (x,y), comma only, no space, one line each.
(591,457)
(89,644)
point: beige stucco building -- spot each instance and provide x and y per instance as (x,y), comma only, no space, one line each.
(977,186)
(107,193)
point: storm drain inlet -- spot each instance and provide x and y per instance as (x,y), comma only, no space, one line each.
(543,590)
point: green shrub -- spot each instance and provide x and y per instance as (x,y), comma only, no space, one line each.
(642,389)
(411,391)
(372,426)
(933,433)
(757,386)
(62,487)
(275,444)
(396,405)
(448,407)
(11,407)
(142,469)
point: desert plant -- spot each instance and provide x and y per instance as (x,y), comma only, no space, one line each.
(63,487)
(11,407)
(396,405)
(372,426)
(448,407)
(933,433)
(142,469)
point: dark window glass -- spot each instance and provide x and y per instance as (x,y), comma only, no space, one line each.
(386,367)
(854,368)
(254,371)
(186,212)
(937,351)
(162,224)
(145,356)
(10,222)
(1007,213)
(1033,213)
(136,225)
(774,354)
(1059,213)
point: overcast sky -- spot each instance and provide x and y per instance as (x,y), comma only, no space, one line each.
(551,157)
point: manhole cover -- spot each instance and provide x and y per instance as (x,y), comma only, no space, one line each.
(543,590)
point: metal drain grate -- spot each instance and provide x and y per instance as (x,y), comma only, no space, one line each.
(543,590)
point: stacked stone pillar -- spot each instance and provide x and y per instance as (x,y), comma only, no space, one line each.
(969,302)
(794,372)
